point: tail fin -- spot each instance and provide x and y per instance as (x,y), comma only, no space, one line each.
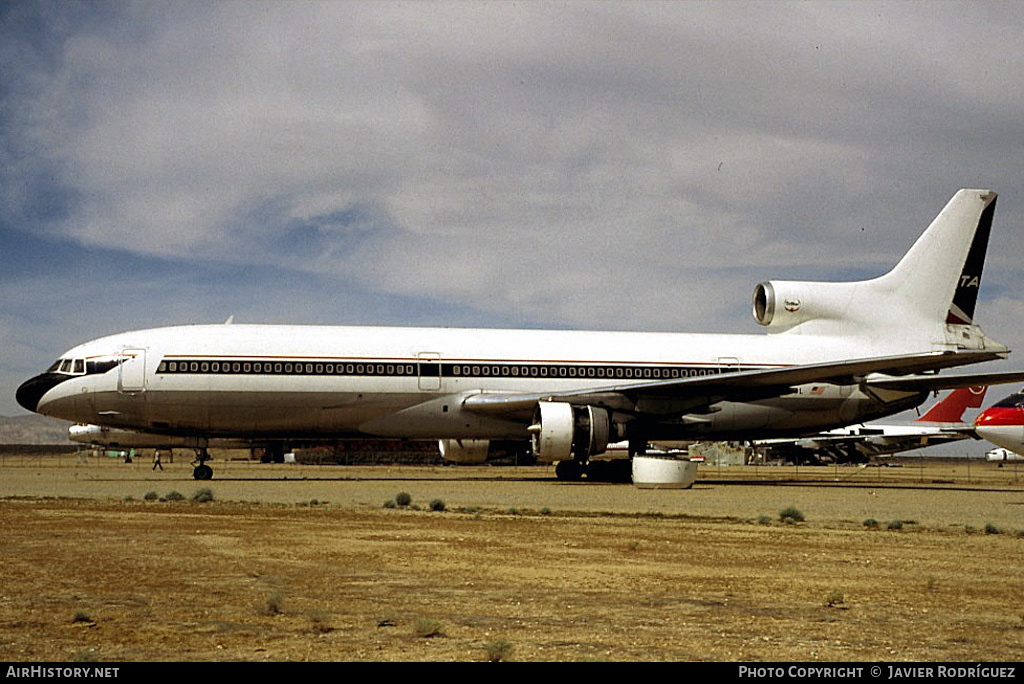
(915,305)
(951,409)
(939,277)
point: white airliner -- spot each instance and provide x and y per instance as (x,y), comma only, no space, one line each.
(834,354)
(942,424)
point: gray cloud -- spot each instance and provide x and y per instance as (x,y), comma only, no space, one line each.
(583,164)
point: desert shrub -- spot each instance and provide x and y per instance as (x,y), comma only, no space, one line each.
(791,515)
(175,496)
(895,525)
(429,629)
(871,524)
(390,503)
(151,496)
(203,495)
(764,520)
(318,622)
(970,529)
(992,529)
(403,498)
(274,604)
(834,598)
(545,511)
(437,505)
(81,616)
(499,650)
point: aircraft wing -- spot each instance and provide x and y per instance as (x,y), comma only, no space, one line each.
(858,448)
(667,397)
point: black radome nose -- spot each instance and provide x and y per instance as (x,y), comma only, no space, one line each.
(32,390)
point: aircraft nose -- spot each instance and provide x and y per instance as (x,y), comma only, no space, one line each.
(33,389)
(1002,426)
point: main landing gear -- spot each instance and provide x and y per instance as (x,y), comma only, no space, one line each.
(201,470)
(618,470)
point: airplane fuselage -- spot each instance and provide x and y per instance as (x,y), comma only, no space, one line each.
(296,382)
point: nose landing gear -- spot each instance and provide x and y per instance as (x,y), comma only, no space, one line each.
(201,470)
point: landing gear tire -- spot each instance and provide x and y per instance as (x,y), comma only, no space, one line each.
(569,471)
(618,471)
(202,471)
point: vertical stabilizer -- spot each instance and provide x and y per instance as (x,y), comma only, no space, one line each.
(927,300)
(951,409)
(940,275)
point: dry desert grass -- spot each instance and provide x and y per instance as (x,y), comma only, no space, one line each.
(310,565)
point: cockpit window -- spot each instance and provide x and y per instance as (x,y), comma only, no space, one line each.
(69,367)
(99,366)
(93,366)
(1012,401)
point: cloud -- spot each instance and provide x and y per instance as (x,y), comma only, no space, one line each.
(564,164)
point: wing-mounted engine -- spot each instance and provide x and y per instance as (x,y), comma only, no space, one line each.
(477,451)
(784,304)
(562,431)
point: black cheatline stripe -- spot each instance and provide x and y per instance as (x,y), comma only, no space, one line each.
(557,371)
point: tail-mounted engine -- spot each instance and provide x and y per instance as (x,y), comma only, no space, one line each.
(562,431)
(783,304)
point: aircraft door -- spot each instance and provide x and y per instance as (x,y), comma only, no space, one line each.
(728,364)
(131,373)
(429,371)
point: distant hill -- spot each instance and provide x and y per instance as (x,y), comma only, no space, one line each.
(33,429)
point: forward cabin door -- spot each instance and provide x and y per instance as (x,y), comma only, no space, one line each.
(132,371)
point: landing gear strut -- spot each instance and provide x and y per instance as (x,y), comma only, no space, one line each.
(202,471)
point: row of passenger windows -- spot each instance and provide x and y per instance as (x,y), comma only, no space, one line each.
(285,368)
(564,371)
(447,370)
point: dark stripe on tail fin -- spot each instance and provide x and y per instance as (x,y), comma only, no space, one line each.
(961,309)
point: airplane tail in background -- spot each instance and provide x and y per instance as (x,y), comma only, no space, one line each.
(951,409)
(928,298)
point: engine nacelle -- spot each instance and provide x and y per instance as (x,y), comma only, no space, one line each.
(475,451)
(783,304)
(464,450)
(562,431)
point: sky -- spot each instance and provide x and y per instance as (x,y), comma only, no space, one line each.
(574,165)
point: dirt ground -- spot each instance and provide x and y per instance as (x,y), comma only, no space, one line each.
(291,563)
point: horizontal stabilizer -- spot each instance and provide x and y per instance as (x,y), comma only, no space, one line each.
(925,383)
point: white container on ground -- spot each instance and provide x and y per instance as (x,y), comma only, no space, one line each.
(660,472)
